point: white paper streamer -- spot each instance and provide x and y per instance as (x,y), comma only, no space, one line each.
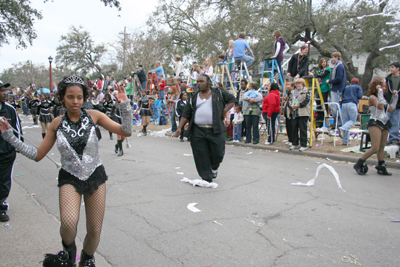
(200,183)
(390,46)
(29,127)
(161,133)
(192,207)
(312,181)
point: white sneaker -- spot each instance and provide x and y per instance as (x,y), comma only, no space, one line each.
(244,138)
(302,149)
(289,144)
(294,147)
(267,143)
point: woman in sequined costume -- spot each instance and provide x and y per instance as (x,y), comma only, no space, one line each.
(45,108)
(378,126)
(82,173)
(145,113)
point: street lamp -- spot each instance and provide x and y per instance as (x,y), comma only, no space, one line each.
(50,60)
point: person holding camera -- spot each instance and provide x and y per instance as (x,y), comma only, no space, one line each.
(206,112)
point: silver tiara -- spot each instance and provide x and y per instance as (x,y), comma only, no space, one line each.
(73,79)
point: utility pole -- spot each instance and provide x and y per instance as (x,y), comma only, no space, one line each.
(124,46)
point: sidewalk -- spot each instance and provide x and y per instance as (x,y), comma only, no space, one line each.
(326,150)
(349,157)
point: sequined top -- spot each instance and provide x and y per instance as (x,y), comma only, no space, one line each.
(78,146)
(45,107)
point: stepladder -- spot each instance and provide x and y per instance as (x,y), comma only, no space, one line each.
(223,76)
(243,71)
(152,82)
(271,67)
(322,107)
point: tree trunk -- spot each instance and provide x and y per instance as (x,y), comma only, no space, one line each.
(369,70)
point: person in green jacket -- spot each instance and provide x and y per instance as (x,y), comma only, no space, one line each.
(323,75)
(129,89)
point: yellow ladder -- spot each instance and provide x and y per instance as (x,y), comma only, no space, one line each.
(222,69)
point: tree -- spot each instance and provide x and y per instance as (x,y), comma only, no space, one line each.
(330,29)
(17,19)
(203,28)
(78,51)
(143,48)
(23,74)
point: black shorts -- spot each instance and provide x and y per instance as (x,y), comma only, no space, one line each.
(89,186)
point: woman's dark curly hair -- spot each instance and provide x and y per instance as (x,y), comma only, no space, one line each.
(372,86)
(62,89)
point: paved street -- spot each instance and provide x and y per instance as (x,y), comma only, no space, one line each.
(254,218)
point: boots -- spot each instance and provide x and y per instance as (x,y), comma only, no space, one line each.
(71,249)
(121,151)
(116,148)
(64,258)
(43,135)
(144,130)
(86,260)
(111,137)
(381,168)
(361,167)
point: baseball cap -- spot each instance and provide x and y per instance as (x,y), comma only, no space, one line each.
(4,84)
(355,80)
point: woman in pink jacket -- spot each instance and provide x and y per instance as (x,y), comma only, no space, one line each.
(271,109)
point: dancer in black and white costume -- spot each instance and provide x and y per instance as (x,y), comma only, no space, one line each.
(145,112)
(378,126)
(82,173)
(33,105)
(45,107)
(109,109)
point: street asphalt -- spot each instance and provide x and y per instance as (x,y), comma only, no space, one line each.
(255,217)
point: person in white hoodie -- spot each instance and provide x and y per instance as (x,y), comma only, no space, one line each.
(178,68)
(208,69)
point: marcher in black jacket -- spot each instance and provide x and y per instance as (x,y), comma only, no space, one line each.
(298,64)
(206,111)
(180,107)
(141,73)
(7,151)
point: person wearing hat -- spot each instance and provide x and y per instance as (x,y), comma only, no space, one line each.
(7,151)
(351,95)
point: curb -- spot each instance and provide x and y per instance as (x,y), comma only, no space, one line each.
(393,165)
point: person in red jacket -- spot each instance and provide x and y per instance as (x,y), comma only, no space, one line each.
(162,87)
(271,109)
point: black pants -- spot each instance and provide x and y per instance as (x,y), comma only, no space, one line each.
(6,167)
(271,127)
(299,123)
(289,131)
(208,150)
(244,126)
(252,123)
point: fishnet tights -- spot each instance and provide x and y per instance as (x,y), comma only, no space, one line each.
(70,203)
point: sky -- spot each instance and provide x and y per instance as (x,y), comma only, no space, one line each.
(100,21)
